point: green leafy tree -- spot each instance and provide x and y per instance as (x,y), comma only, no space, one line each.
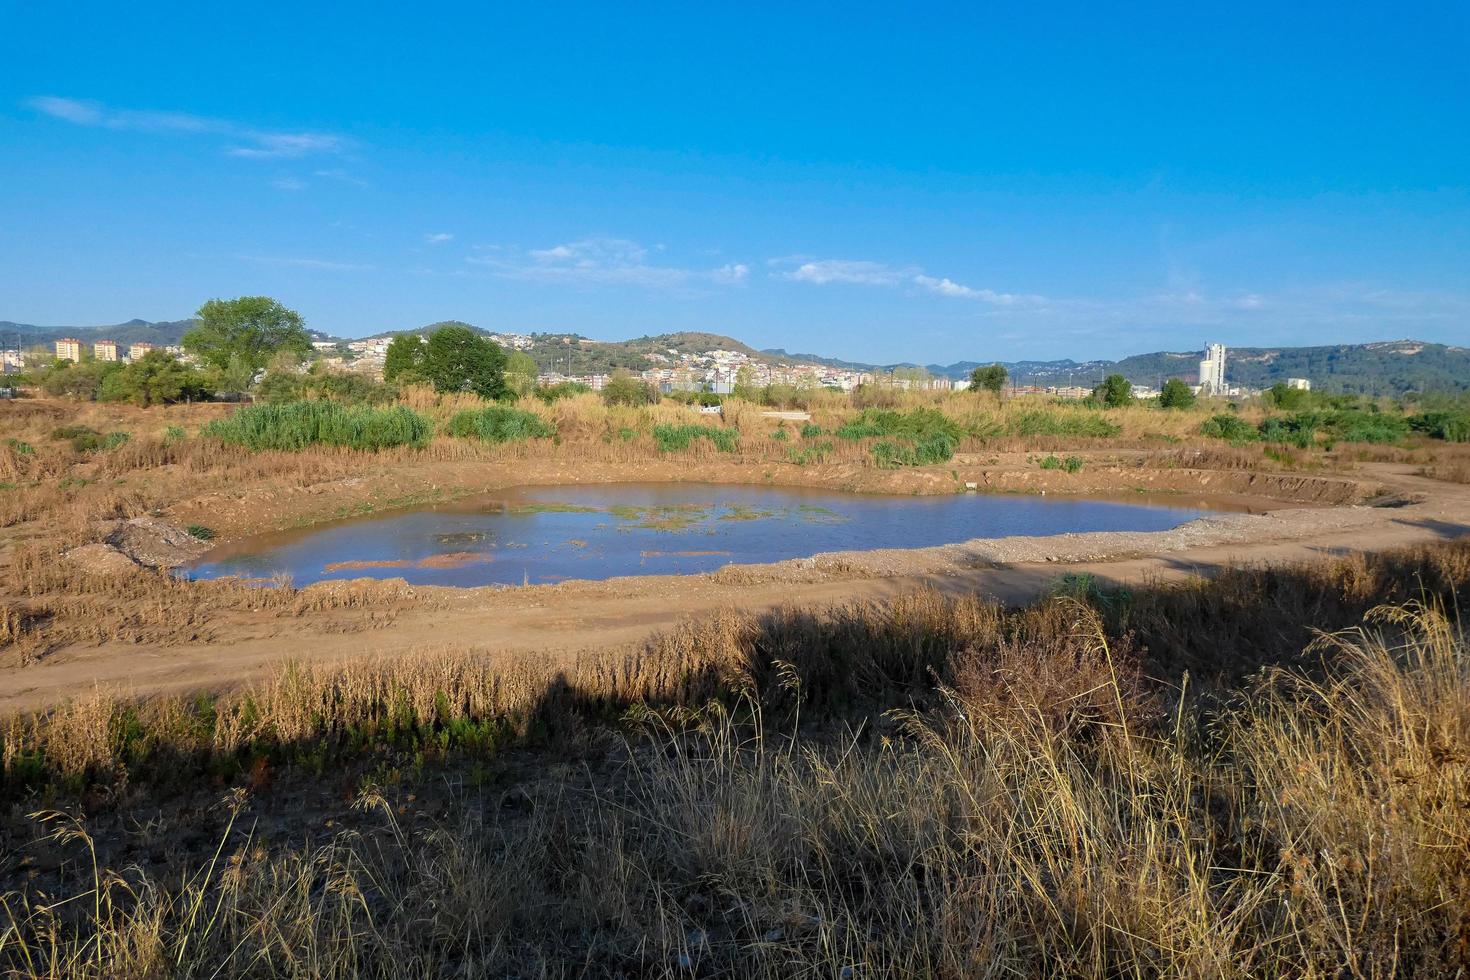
(459,359)
(624,389)
(1176,394)
(745,387)
(157,378)
(86,380)
(252,328)
(992,379)
(1116,391)
(520,373)
(404,361)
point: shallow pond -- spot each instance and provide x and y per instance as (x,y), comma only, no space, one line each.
(548,534)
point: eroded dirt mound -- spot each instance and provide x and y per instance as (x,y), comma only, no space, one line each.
(151,542)
(101,559)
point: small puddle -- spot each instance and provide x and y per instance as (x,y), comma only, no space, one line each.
(550,534)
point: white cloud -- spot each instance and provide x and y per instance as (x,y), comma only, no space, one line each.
(601,261)
(288,184)
(439,238)
(249,142)
(822,272)
(825,271)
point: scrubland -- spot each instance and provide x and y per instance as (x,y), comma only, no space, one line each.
(1262,775)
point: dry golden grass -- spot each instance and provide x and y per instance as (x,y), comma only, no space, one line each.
(1033,805)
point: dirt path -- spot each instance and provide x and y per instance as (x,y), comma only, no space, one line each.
(558,621)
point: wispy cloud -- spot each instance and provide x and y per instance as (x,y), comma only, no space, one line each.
(856,272)
(824,271)
(288,184)
(439,238)
(241,140)
(326,265)
(602,261)
(341,176)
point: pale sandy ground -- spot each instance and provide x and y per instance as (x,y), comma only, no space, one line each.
(557,621)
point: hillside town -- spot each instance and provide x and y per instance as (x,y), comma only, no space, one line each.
(718,371)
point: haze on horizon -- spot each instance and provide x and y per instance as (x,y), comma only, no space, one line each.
(931,184)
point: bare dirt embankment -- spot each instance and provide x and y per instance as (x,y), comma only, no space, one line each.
(1380,506)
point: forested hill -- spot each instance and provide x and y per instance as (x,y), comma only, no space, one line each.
(1387,368)
(162,332)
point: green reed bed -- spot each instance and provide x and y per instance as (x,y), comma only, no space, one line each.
(297,425)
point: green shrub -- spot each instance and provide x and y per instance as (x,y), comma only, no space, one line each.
(937,448)
(564,389)
(811,430)
(88,440)
(1354,425)
(780,434)
(1051,463)
(1072,464)
(675,438)
(297,425)
(21,447)
(1231,428)
(814,453)
(497,423)
(1299,430)
(200,531)
(1449,426)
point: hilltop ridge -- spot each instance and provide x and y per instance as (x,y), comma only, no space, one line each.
(1377,368)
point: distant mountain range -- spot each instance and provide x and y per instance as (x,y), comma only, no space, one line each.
(1385,368)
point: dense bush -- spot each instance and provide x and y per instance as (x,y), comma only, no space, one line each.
(674,438)
(1353,425)
(565,389)
(1453,426)
(319,384)
(624,389)
(297,425)
(497,423)
(1231,428)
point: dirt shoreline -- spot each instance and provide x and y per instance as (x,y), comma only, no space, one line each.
(558,621)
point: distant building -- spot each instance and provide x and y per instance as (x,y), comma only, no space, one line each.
(105,350)
(136,351)
(1300,384)
(69,349)
(1212,371)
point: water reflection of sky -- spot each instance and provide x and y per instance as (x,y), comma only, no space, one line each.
(548,534)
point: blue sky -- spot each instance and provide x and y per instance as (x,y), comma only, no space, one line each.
(882,182)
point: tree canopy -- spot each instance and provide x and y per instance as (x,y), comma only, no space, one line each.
(520,373)
(156,378)
(1116,391)
(1175,394)
(403,363)
(454,358)
(252,328)
(992,378)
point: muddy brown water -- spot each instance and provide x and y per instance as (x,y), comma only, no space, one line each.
(550,534)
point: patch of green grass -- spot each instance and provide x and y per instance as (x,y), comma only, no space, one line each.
(1072,464)
(1051,463)
(811,430)
(676,438)
(1049,422)
(21,448)
(200,531)
(497,423)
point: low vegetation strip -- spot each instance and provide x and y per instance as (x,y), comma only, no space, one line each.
(499,423)
(1106,783)
(297,425)
(676,438)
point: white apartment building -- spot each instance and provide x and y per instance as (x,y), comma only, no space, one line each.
(69,349)
(105,350)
